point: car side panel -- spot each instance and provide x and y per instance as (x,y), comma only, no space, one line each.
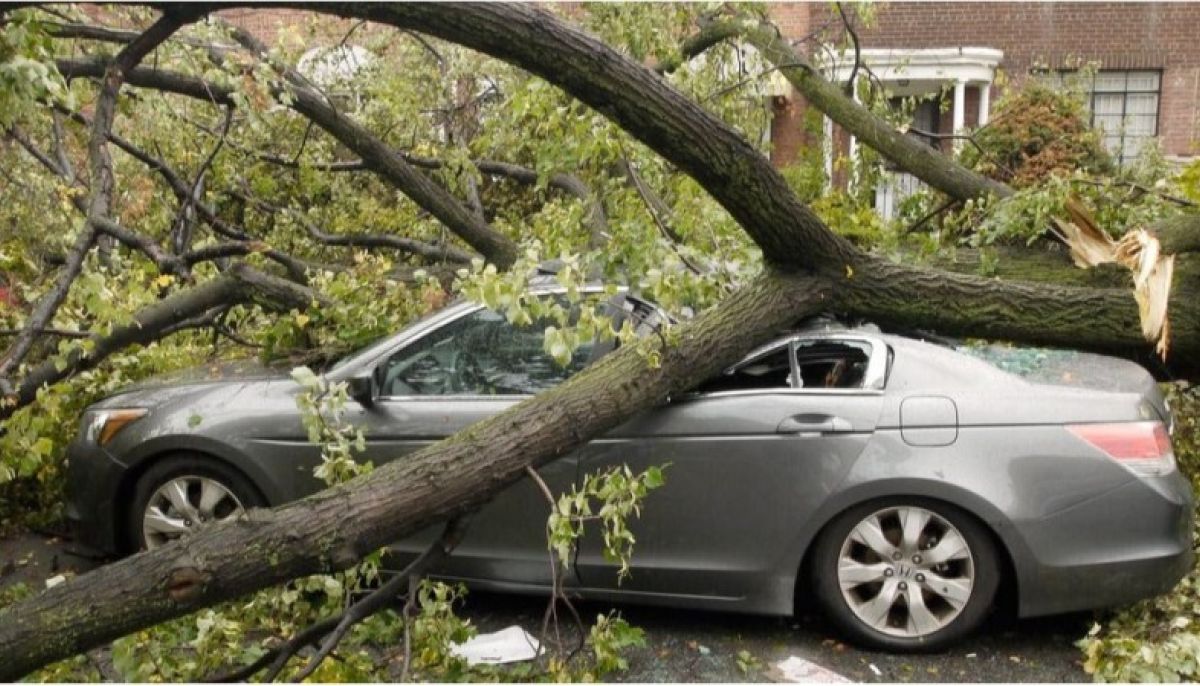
(735,492)
(506,540)
(1054,504)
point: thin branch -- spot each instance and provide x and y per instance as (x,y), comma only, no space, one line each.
(443,252)
(428,47)
(657,209)
(1182,202)
(243,243)
(181,235)
(17,134)
(239,284)
(62,333)
(60,148)
(107,34)
(597,219)
(379,598)
(556,589)
(950,202)
(494,245)
(348,166)
(278,656)
(850,83)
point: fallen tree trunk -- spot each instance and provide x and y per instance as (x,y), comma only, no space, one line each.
(336,527)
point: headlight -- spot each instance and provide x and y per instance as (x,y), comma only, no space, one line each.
(104,425)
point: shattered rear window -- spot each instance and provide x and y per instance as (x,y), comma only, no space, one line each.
(1058,366)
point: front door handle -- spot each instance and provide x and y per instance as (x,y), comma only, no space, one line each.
(814,424)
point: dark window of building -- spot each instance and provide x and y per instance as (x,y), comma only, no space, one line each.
(1123,104)
(926,118)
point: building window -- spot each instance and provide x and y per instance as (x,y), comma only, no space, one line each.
(1124,105)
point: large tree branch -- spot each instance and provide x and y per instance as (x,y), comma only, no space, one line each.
(431,251)
(920,160)
(239,284)
(730,169)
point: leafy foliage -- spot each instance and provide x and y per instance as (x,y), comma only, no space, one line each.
(26,74)
(1035,133)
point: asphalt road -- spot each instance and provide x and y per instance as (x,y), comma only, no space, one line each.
(694,646)
(704,646)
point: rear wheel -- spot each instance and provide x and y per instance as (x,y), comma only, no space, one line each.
(906,574)
(182,492)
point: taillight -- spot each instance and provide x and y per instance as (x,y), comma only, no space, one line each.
(1143,447)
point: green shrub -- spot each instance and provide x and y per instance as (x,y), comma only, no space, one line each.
(1037,132)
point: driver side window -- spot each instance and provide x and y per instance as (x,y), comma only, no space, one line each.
(478,354)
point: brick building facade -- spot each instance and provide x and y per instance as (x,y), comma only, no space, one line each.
(1148,56)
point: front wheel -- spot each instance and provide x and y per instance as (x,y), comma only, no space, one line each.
(182,492)
(906,574)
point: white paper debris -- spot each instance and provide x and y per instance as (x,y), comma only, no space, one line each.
(513,644)
(797,670)
(55,580)
(875,669)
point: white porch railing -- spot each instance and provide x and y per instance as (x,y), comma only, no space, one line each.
(892,189)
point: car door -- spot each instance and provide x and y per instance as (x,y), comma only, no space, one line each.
(467,369)
(750,457)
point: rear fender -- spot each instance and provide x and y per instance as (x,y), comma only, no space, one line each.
(1014,547)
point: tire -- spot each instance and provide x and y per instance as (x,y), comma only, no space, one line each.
(198,474)
(855,583)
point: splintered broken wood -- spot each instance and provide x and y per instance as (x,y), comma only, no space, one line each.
(1138,251)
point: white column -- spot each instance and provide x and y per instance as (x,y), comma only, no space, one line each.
(960,109)
(827,150)
(985,102)
(853,151)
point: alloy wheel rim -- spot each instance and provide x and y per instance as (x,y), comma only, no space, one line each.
(183,503)
(906,571)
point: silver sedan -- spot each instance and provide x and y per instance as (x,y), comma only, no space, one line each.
(902,483)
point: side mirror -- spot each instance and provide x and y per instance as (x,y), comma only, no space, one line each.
(362,389)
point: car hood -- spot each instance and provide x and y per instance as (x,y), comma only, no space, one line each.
(224,371)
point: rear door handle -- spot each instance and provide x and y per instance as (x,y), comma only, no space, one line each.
(814,424)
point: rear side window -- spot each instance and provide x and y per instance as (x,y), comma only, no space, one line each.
(800,364)
(832,364)
(771,370)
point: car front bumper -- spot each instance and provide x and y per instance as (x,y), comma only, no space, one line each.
(93,486)
(1131,543)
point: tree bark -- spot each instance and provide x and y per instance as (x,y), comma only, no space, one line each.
(336,527)
(1178,234)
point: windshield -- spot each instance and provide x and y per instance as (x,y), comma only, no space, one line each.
(378,345)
